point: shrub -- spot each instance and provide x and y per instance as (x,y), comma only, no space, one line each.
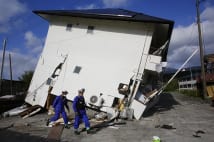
(192,93)
(172,86)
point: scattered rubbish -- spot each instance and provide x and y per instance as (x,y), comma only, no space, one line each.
(30,111)
(101,116)
(113,127)
(8,97)
(164,126)
(155,139)
(200,131)
(55,133)
(197,133)
(15,111)
(127,113)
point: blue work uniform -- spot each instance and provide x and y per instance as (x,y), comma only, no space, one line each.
(80,112)
(58,104)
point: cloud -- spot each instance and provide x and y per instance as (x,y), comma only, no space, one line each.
(23,61)
(114,3)
(184,35)
(185,40)
(208,14)
(9,9)
(19,62)
(33,43)
(180,55)
(90,6)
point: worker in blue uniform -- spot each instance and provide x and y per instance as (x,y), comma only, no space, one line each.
(59,105)
(79,106)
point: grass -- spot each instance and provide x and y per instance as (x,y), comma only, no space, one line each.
(192,93)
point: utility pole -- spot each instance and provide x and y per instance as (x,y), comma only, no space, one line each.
(2,66)
(203,78)
(11,76)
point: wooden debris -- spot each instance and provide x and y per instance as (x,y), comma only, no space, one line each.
(30,111)
(55,133)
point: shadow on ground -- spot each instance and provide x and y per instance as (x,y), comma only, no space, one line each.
(166,102)
(12,136)
(9,104)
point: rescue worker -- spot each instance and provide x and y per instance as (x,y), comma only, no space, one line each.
(80,112)
(59,103)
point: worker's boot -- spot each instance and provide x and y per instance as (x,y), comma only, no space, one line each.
(50,123)
(88,130)
(66,126)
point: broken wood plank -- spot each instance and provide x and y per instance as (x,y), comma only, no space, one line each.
(30,111)
(55,133)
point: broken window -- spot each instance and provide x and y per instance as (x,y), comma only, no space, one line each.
(90,29)
(69,26)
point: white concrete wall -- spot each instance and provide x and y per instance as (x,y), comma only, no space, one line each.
(107,57)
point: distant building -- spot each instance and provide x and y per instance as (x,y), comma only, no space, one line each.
(209,63)
(187,78)
(190,78)
(209,67)
(7,89)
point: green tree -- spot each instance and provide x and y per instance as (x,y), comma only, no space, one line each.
(172,86)
(26,79)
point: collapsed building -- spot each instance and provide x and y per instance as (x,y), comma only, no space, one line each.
(115,54)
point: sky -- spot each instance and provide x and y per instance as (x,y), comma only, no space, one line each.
(26,32)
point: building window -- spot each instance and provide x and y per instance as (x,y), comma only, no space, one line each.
(90,29)
(69,26)
(77,69)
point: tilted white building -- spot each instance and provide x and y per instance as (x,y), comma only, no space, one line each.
(99,49)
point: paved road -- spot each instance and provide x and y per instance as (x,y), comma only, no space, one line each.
(176,118)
